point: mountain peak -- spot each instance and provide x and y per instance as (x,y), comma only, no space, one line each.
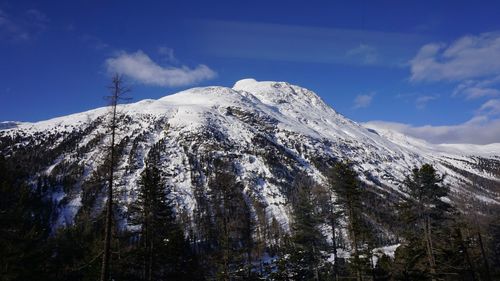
(244,83)
(281,94)
(253,86)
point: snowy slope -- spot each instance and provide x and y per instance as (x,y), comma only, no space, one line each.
(269,130)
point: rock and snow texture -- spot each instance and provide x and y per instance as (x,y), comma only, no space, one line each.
(269,130)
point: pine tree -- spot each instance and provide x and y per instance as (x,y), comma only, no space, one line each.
(162,249)
(330,214)
(76,251)
(307,241)
(345,184)
(233,223)
(423,212)
(25,226)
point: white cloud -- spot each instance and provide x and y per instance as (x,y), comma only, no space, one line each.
(141,68)
(466,58)
(362,101)
(483,128)
(475,131)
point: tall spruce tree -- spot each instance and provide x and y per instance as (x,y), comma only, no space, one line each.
(345,184)
(307,241)
(424,214)
(162,249)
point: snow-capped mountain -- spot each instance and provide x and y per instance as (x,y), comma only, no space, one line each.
(269,130)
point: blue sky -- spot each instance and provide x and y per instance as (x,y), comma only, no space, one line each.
(430,69)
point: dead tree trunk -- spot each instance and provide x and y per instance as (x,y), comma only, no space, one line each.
(117,91)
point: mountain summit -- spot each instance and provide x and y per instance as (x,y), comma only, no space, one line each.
(269,131)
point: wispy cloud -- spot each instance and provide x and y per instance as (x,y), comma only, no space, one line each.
(490,108)
(366,54)
(362,101)
(421,101)
(167,54)
(22,27)
(295,43)
(36,17)
(93,42)
(466,58)
(473,89)
(141,68)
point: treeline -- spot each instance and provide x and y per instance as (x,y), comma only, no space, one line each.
(331,236)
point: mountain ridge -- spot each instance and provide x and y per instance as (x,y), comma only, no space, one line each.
(269,130)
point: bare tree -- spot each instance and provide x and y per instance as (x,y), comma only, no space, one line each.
(117,92)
